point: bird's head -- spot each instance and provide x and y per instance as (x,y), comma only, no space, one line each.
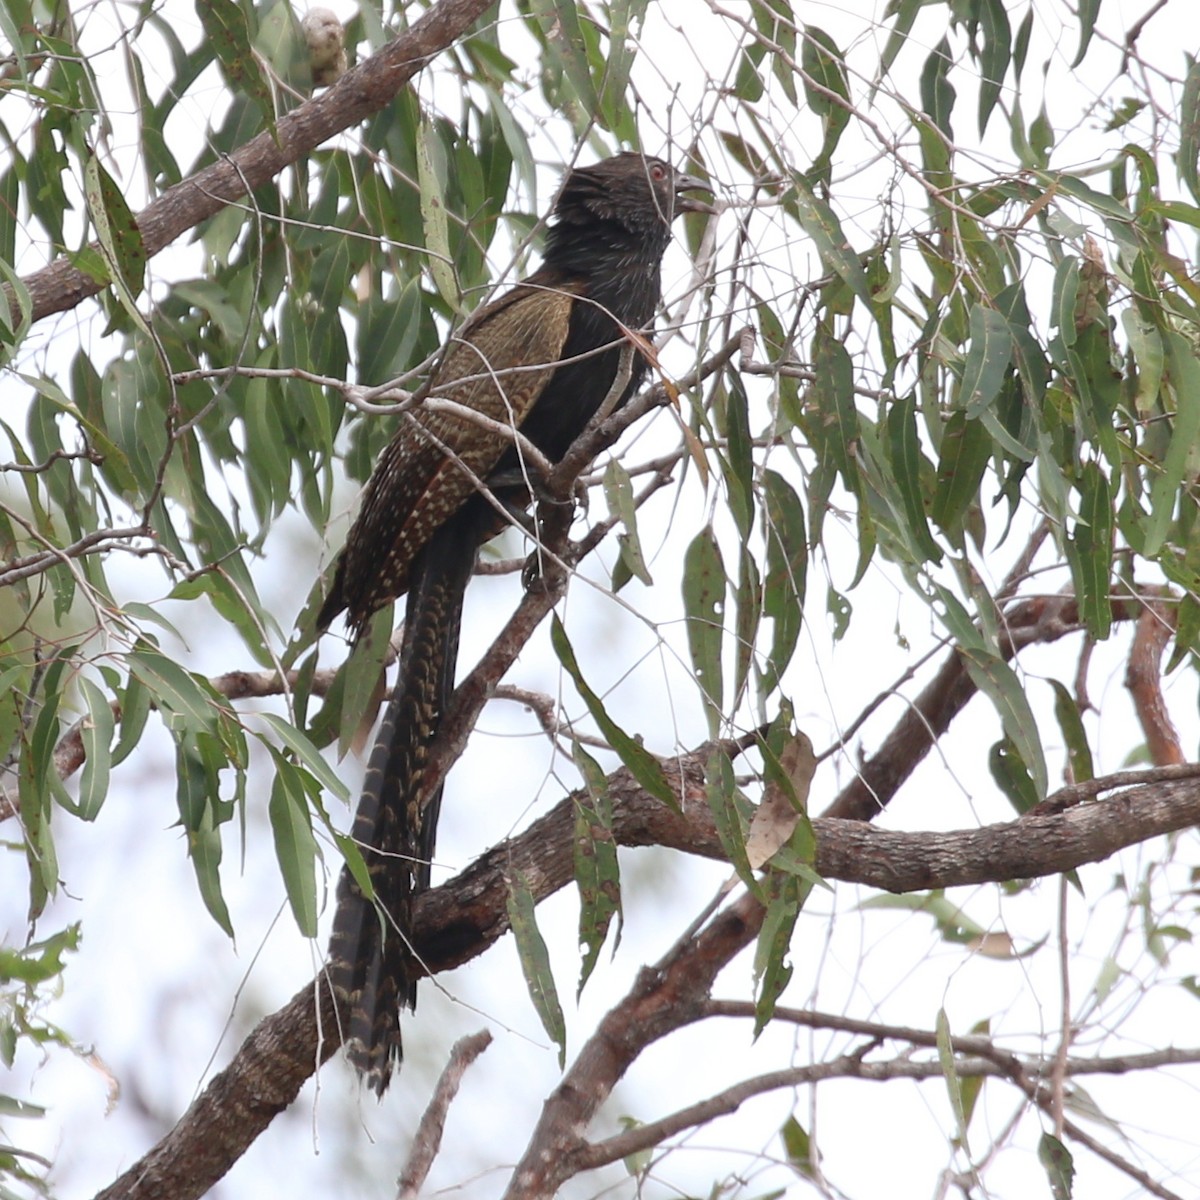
(640,193)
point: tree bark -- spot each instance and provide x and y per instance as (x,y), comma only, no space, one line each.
(357,95)
(459,920)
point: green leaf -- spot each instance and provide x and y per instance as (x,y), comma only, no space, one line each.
(295,847)
(963,458)
(196,784)
(184,699)
(994,58)
(618,491)
(362,678)
(905,12)
(748,83)
(97,735)
(535,963)
(821,224)
(784,895)
(738,461)
(308,755)
(39,961)
(1189,128)
(1065,298)
(987,360)
(787,570)
(1089,10)
(834,427)
(823,65)
(999,682)
(621,51)
(904,454)
(798,1147)
(430,176)
(228,33)
(1090,549)
(1060,1167)
(566,41)
(135,709)
(1012,776)
(704,588)
(1147,345)
(118,232)
(953,924)
(840,609)
(1070,721)
(644,767)
(723,797)
(950,1072)
(937,92)
(597,872)
(1184,383)
(748,600)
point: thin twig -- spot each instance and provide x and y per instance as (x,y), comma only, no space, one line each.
(427,1140)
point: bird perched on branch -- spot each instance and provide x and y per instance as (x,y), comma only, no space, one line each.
(541,359)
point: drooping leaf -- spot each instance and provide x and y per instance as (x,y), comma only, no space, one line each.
(1185,390)
(430,175)
(937,92)
(784,895)
(119,235)
(618,491)
(825,84)
(535,963)
(786,577)
(994,58)
(704,587)
(597,872)
(228,33)
(987,360)
(1059,1166)
(950,1073)
(1089,10)
(97,735)
(1070,722)
(1090,550)
(964,456)
(821,224)
(644,767)
(907,461)
(1189,128)
(295,846)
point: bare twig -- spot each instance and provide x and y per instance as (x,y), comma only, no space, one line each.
(1143,678)
(427,1140)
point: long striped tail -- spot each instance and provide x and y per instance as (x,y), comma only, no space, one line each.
(370,951)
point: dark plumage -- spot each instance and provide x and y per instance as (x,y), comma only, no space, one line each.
(423,519)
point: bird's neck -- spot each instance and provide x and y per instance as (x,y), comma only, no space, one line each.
(619,270)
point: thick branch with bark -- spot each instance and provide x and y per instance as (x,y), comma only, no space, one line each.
(459,920)
(359,93)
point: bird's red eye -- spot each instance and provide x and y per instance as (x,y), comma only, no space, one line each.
(658,172)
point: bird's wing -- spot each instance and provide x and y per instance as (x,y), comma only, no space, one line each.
(497,366)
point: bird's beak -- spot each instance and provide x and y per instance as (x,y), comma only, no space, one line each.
(689,183)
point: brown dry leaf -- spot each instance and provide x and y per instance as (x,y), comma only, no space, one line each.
(776,817)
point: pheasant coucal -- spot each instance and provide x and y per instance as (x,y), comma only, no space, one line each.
(540,358)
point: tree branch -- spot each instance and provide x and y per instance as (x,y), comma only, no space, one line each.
(1042,619)
(459,920)
(428,1138)
(357,95)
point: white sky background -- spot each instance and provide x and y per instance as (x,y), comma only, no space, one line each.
(154,984)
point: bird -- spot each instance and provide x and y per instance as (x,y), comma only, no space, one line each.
(541,358)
